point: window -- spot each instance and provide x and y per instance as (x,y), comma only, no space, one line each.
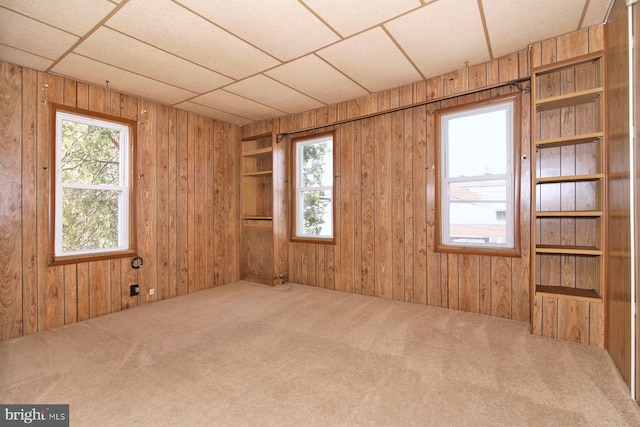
(312,190)
(92,199)
(478,177)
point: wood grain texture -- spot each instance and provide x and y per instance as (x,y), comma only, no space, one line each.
(29,190)
(42,297)
(10,201)
(618,240)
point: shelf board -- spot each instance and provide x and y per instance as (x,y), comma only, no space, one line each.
(569,214)
(568,250)
(569,100)
(258,173)
(569,293)
(567,64)
(570,140)
(570,178)
(260,152)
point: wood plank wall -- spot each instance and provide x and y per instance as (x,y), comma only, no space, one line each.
(187,206)
(385,202)
(618,180)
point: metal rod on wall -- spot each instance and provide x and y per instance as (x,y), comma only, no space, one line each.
(513,83)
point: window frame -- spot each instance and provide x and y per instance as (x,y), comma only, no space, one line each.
(129,188)
(294,190)
(445,247)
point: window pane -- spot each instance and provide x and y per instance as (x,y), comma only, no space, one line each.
(477,144)
(89,219)
(317,216)
(317,164)
(90,154)
(478,212)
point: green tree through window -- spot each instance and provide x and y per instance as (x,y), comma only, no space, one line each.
(313,190)
(93,196)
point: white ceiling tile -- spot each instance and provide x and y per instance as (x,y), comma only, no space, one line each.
(213,113)
(14,56)
(534,21)
(88,70)
(237,105)
(109,46)
(596,12)
(187,35)
(32,36)
(74,16)
(283,28)
(440,37)
(350,17)
(371,59)
(269,92)
(313,76)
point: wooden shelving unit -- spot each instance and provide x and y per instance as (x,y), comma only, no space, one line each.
(263,241)
(569,169)
(256,257)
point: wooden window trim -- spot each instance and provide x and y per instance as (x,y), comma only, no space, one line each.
(514,251)
(293,199)
(103,255)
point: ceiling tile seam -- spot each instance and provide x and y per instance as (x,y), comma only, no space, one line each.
(378,25)
(31,18)
(27,52)
(87,34)
(401,49)
(340,71)
(226,31)
(238,95)
(293,88)
(140,75)
(584,14)
(319,18)
(485,28)
(262,103)
(172,54)
(211,108)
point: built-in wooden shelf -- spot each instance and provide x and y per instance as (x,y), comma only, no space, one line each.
(570,140)
(570,178)
(570,214)
(257,218)
(570,293)
(258,173)
(261,152)
(568,250)
(569,100)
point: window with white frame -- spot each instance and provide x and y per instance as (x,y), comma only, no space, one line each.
(93,196)
(312,190)
(478,194)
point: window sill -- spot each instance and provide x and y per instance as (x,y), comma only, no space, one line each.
(316,240)
(471,250)
(101,256)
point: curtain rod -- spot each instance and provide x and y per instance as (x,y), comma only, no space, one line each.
(513,83)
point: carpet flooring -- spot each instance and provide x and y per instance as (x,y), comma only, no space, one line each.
(249,354)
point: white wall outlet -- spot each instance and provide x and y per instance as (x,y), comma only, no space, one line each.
(152,291)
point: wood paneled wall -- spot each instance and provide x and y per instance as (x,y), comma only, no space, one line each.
(618,180)
(386,205)
(187,206)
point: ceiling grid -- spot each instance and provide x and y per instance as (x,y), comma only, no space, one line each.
(240,60)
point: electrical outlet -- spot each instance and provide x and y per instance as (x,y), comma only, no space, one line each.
(134,290)
(152,291)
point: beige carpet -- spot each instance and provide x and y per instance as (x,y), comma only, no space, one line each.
(248,354)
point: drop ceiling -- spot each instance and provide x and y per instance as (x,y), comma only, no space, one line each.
(247,60)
